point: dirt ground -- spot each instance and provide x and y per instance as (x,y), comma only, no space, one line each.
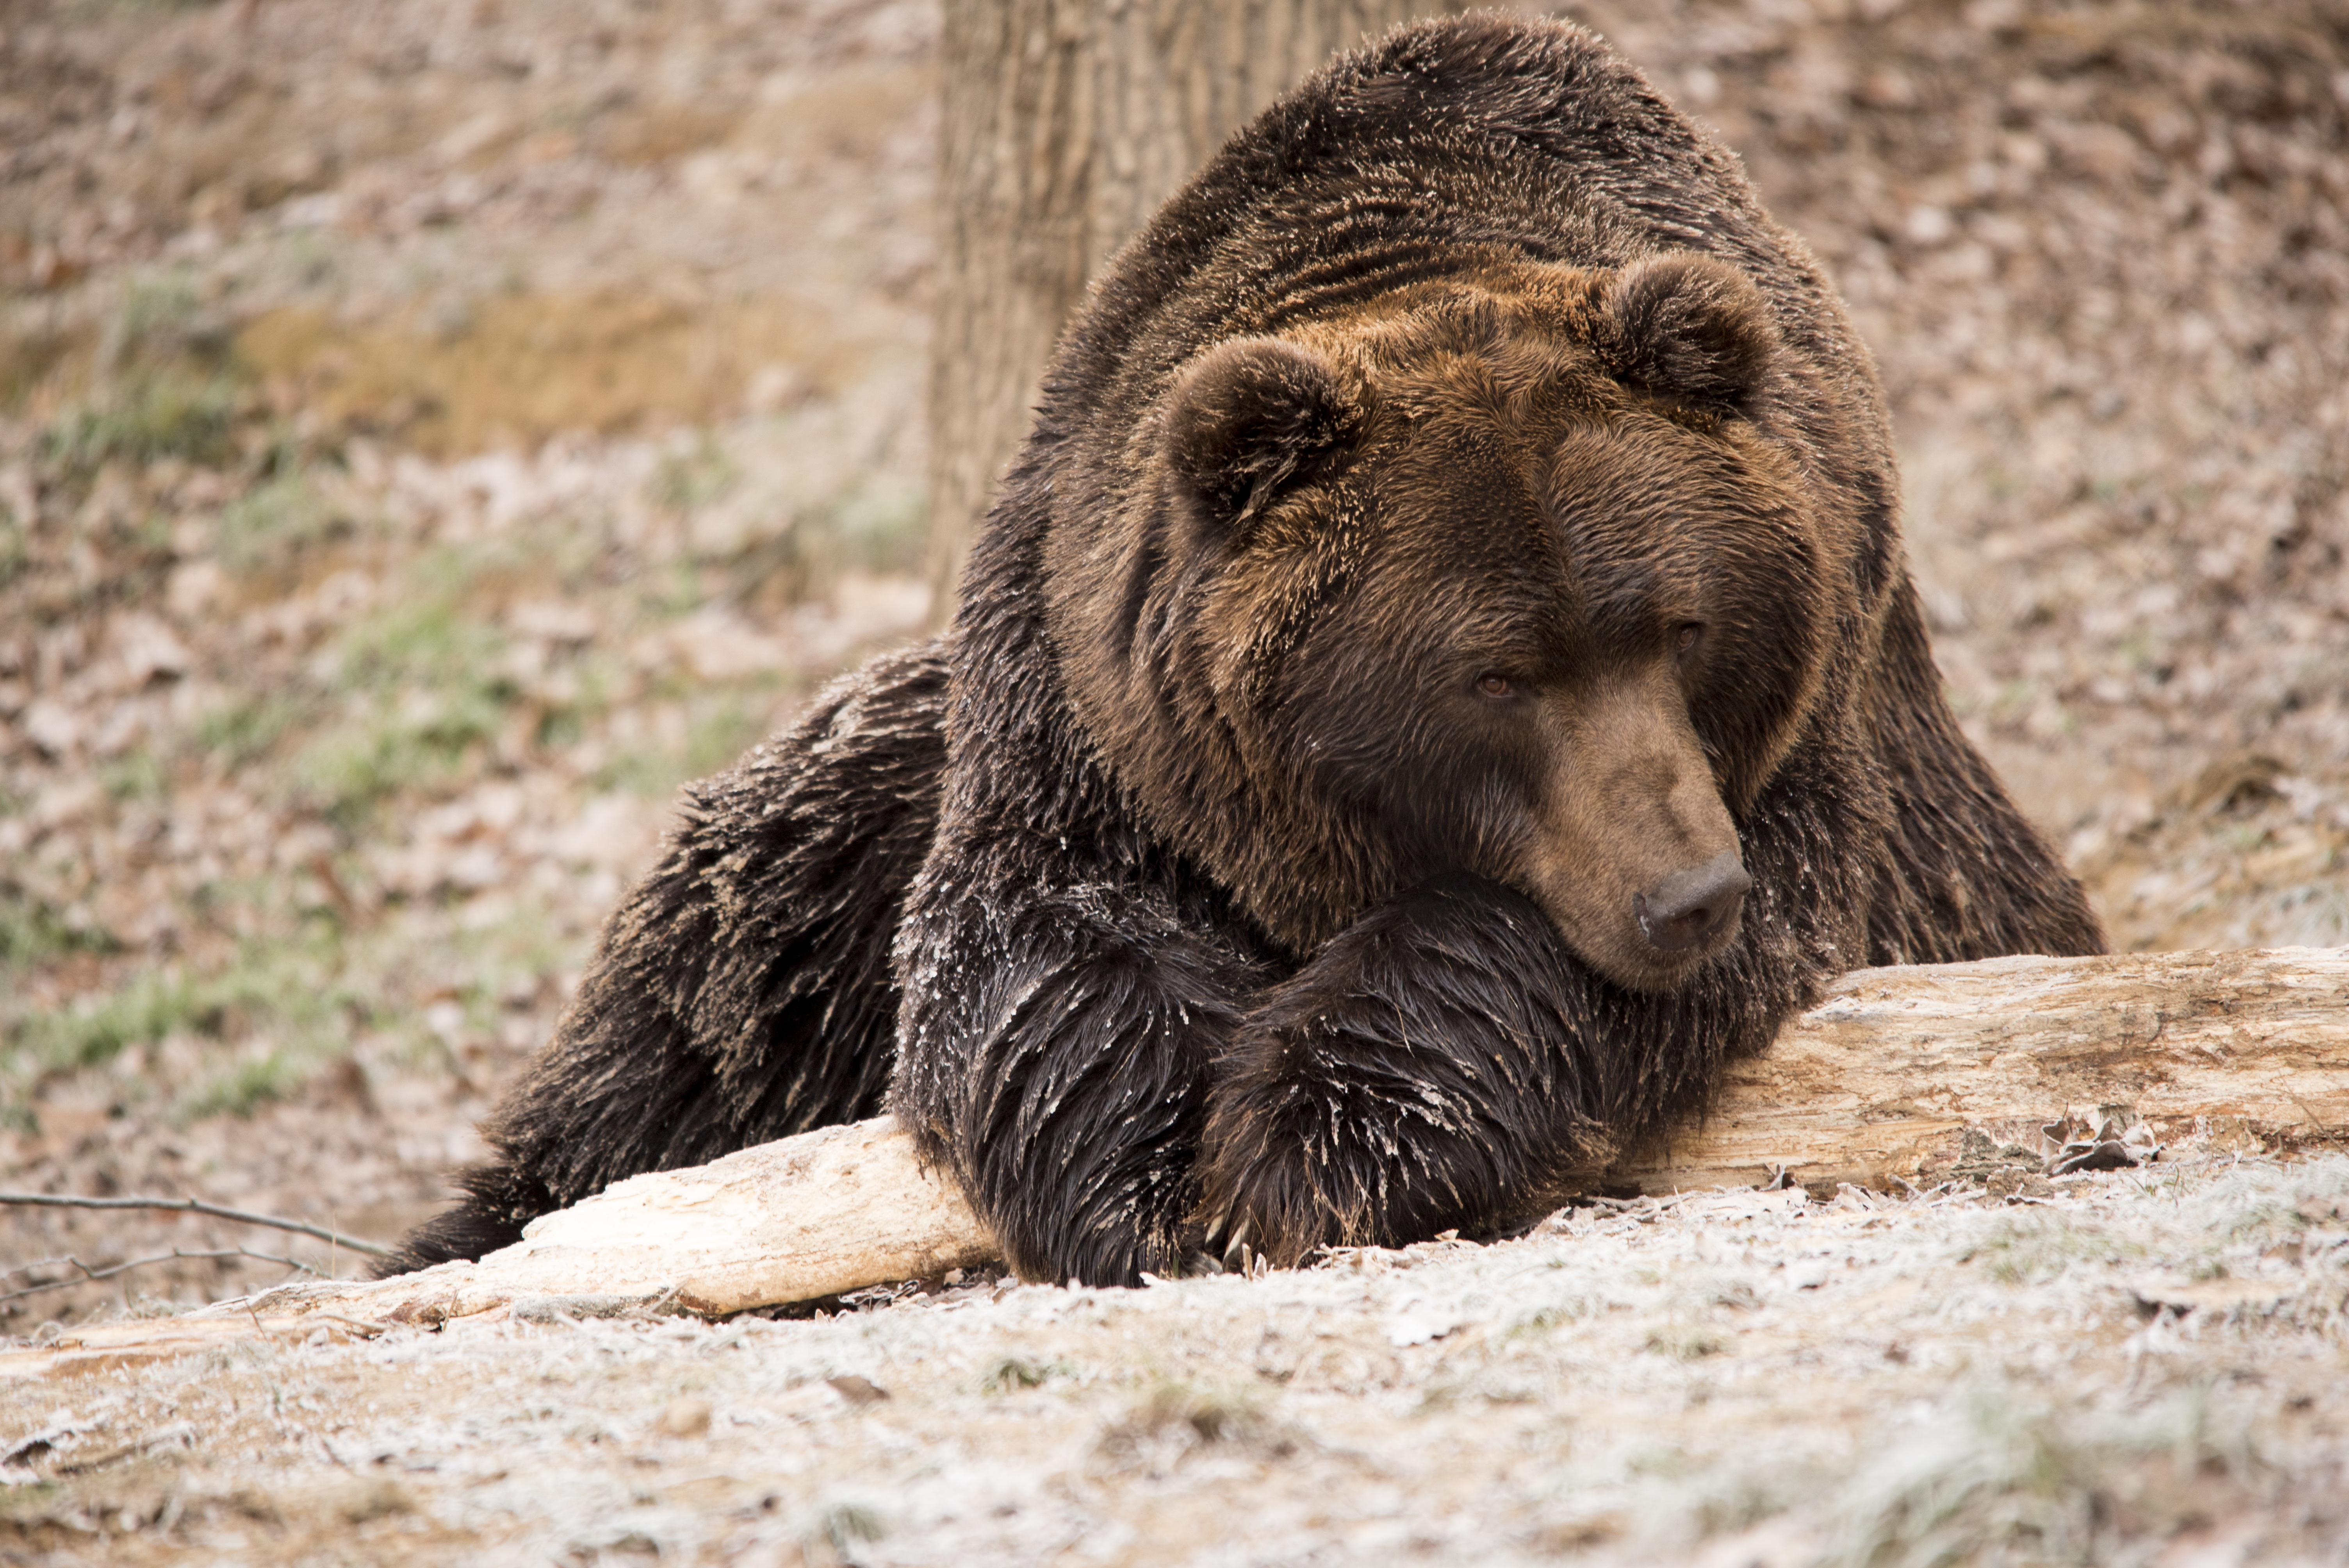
(431,431)
(2142,1367)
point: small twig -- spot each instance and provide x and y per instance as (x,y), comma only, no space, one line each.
(195,1206)
(90,1274)
(2313,1119)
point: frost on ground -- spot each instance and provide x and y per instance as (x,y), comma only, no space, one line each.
(2144,1367)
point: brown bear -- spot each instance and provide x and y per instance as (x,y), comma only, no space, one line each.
(1439,679)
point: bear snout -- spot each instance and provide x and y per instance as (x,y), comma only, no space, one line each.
(1694,907)
(1635,858)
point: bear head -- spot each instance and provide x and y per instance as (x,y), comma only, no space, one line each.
(1516,572)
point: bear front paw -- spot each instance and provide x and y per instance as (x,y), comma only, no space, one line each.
(1267,1190)
(1317,1139)
(1416,1076)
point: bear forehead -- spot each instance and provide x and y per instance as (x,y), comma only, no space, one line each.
(1507,492)
(1458,346)
(1585,502)
(1495,439)
(1494,387)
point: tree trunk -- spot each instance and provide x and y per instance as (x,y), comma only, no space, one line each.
(1065,124)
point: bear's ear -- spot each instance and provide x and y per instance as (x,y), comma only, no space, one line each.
(1253,416)
(1686,327)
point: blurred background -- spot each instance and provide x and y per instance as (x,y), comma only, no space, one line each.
(431,430)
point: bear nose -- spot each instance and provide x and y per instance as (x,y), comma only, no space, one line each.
(1689,906)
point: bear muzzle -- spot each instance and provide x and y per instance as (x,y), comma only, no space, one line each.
(1694,907)
(1636,859)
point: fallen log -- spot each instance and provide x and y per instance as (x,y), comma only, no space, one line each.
(1905,1076)
(1898,1078)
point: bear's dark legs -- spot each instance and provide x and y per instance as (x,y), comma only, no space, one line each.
(743,992)
(1437,1065)
(1066,979)
(1055,1057)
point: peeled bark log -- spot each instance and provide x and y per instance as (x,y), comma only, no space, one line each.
(1899,1077)
(1907,1075)
(827,1211)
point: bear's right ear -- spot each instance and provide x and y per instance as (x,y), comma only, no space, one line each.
(1687,327)
(1252,416)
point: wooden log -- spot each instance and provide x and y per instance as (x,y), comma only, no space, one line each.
(816,1216)
(1898,1073)
(810,1216)
(1899,1076)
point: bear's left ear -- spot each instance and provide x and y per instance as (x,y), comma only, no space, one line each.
(1253,416)
(1686,327)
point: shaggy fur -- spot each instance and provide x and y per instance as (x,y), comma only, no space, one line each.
(1461,524)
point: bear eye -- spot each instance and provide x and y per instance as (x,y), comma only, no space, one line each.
(1495,685)
(1685,640)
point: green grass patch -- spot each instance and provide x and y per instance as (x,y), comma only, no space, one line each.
(722,722)
(692,477)
(163,316)
(14,552)
(1681,1342)
(139,777)
(840,1527)
(1009,1373)
(2006,1482)
(725,727)
(280,1011)
(392,741)
(248,1086)
(421,684)
(171,413)
(289,983)
(880,526)
(167,384)
(32,931)
(1549,1319)
(426,635)
(2034,1251)
(246,727)
(277,520)
(1200,1414)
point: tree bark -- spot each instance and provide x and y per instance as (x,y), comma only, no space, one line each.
(1900,1078)
(1065,123)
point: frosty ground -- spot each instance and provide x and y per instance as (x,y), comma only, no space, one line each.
(2144,1367)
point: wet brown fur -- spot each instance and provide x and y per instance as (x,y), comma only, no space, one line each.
(1460,511)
